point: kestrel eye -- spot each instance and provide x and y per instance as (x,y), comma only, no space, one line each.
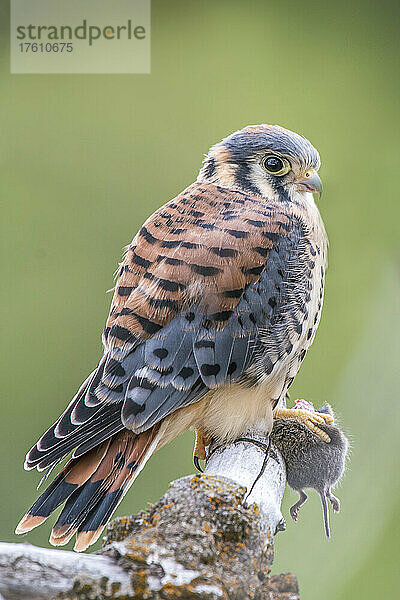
(275,165)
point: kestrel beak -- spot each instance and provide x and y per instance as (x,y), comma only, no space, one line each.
(312,183)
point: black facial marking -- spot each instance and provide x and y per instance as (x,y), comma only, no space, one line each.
(242,177)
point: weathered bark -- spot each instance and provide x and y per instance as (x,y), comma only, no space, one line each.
(204,539)
(39,574)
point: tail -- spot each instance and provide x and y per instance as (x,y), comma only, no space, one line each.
(91,486)
(325,513)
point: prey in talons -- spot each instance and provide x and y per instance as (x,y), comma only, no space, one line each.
(305,413)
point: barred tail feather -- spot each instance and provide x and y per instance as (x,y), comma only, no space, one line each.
(61,488)
(91,486)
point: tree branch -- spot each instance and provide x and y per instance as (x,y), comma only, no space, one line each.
(27,571)
(242,462)
(202,540)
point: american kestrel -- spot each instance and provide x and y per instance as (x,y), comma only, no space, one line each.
(216,303)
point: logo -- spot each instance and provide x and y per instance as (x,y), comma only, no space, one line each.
(68,36)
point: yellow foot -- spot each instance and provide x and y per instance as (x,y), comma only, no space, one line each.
(311,419)
(199,452)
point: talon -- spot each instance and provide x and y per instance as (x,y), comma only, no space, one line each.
(309,418)
(199,452)
(196,463)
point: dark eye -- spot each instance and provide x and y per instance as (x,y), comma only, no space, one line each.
(276,165)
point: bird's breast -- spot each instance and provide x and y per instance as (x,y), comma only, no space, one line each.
(295,281)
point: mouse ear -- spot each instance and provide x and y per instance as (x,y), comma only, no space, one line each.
(326,409)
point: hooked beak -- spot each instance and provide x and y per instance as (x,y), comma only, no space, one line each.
(312,184)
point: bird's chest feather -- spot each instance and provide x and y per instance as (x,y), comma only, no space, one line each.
(296,280)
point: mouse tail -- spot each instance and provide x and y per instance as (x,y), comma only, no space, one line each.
(325,513)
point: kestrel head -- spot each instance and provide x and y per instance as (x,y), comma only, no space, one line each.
(264,159)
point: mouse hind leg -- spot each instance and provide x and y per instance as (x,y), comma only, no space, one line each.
(333,500)
(294,510)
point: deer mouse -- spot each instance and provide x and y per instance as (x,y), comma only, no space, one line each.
(310,461)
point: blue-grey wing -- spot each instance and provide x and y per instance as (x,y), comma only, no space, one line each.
(192,355)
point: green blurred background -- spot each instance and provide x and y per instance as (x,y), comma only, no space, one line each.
(86,158)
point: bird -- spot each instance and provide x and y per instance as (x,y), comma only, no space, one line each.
(216,303)
(312,461)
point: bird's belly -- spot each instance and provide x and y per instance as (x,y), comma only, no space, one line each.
(224,413)
(228,411)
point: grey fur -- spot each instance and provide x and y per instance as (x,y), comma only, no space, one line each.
(311,462)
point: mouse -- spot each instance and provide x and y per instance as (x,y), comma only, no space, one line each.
(310,461)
